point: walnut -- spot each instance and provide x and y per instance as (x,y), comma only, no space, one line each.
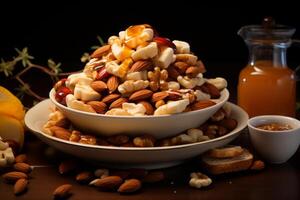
(199,180)
(218,116)
(56,118)
(192,136)
(144,141)
(88,139)
(75,136)
(158,79)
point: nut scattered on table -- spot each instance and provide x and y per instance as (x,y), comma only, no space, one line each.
(20,186)
(63,191)
(199,180)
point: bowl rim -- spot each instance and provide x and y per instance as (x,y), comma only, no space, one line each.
(241,126)
(224,97)
(278,117)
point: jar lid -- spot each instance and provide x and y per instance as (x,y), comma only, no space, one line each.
(268,31)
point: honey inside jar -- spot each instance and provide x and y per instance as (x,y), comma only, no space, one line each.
(267,86)
(275,127)
(265,89)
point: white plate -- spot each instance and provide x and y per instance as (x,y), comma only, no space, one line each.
(123,157)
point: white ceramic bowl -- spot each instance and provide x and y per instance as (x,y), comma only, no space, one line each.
(157,126)
(128,157)
(275,146)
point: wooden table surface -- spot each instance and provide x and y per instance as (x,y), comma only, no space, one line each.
(275,182)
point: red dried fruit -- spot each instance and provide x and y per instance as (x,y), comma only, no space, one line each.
(61,94)
(162,41)
(60,83)
(102,74)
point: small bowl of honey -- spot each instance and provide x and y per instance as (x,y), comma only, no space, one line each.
(276,138)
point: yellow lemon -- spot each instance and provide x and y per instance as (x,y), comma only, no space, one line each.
(11,117)
(10,105)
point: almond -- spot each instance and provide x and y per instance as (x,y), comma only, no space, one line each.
(181,67)
(98,106)
(257,165)
(202,104)
(201,66)
(62,191)
(67,166)
(107,183)
(22,167)
(98,86)
(154,177)
(149,108)
(130,186)
(21,158)
(211,90)
(12,177)
(84,177)
(61,133)
(20,186)
(110,98)
(140,65)
(173,73)
(159,96)
(112,84)
(118,103)
(159,103)
(140,95)
(98,53)
(192,71)
(228,123)
(174,96)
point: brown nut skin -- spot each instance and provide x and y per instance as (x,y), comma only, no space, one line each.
(130,186)
(62,191)
(149,108)
(20,186)
(144,141)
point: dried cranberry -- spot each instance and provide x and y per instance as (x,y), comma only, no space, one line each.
(61,94)
(59,84)
(161,41)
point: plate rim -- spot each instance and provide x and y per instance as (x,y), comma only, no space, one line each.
(49,102)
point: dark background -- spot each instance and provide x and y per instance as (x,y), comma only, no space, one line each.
(64,32)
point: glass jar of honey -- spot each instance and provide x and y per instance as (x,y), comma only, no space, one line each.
(266,85)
